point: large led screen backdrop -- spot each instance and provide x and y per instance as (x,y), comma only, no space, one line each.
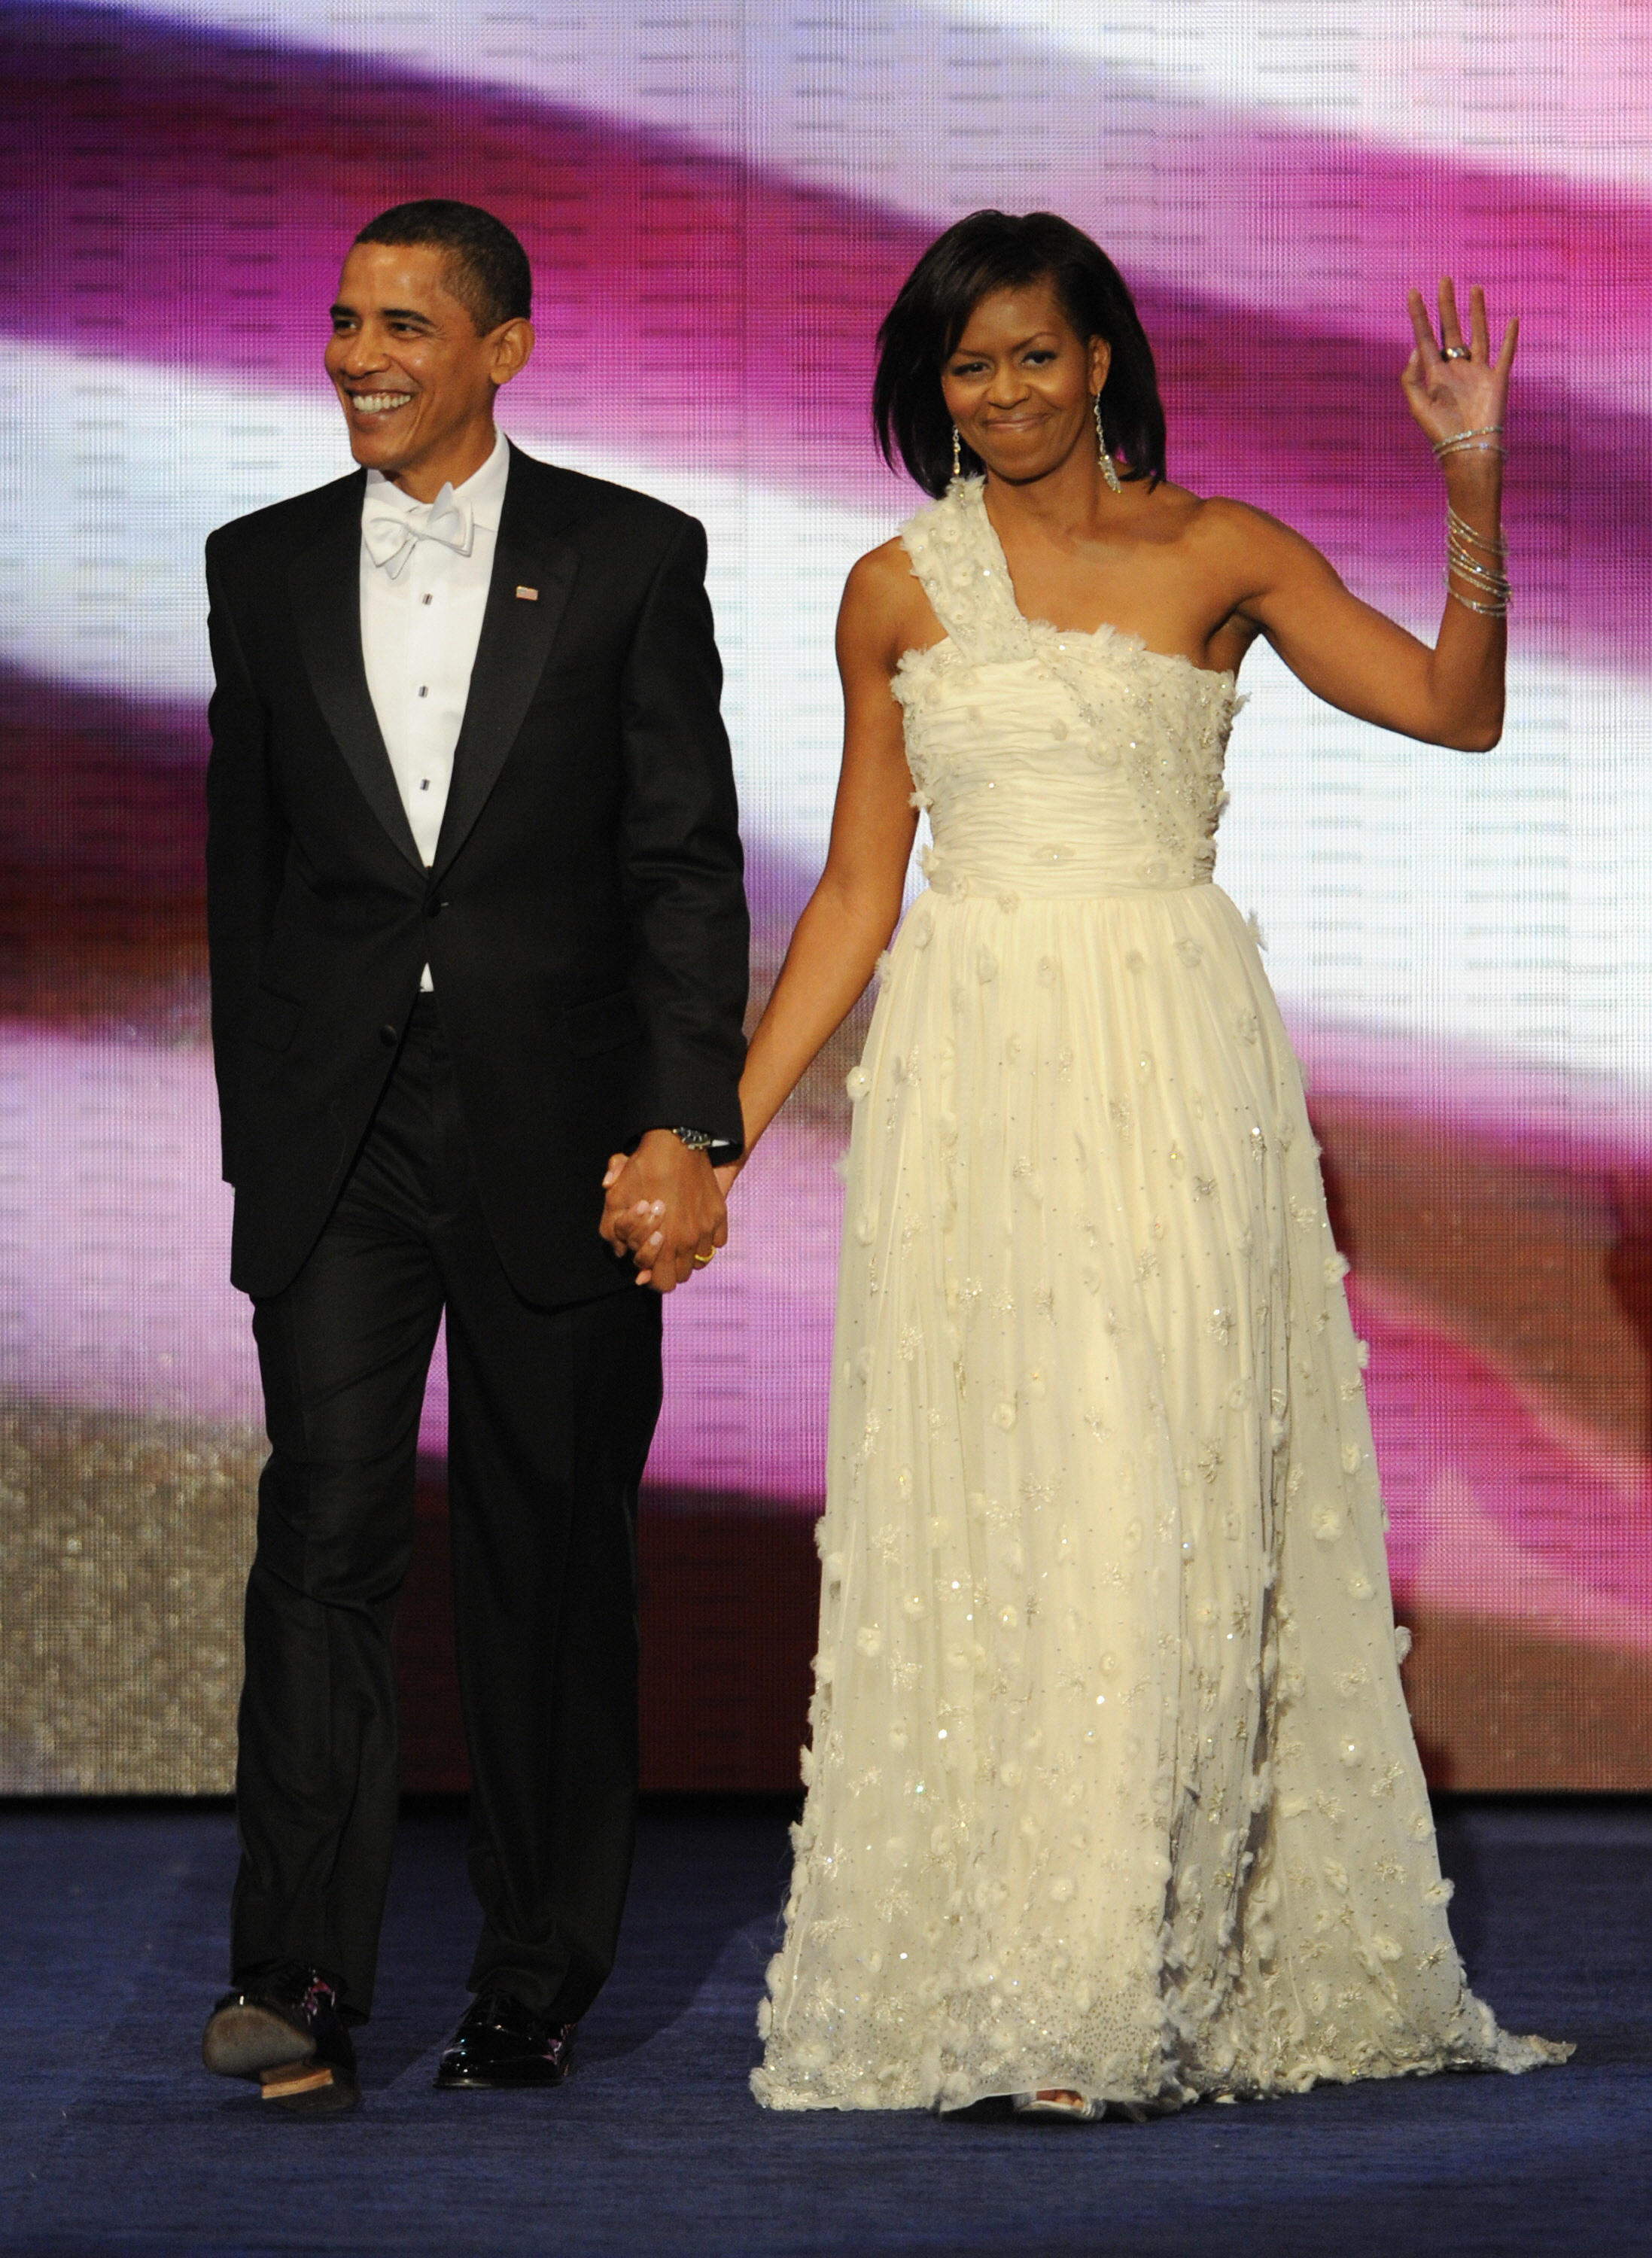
(720,200)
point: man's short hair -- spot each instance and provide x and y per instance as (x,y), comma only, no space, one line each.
(487,269)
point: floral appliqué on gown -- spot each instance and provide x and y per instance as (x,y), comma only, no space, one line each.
(1112,1784)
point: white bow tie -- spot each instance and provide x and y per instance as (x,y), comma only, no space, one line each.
(392,537)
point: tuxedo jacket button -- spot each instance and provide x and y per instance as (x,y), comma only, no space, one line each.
(389,1036)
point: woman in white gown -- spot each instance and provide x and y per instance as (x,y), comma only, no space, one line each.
(1112,1794)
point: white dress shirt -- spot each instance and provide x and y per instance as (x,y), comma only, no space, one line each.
(420,621)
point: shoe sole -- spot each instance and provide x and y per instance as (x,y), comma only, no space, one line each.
(299,2090)
(246,2042)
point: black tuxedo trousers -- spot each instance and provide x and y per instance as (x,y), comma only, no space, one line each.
(551,1412)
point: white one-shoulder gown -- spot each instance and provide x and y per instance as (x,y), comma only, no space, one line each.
(1112,1784)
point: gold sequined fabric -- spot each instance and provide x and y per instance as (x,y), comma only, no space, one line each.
(125,1542)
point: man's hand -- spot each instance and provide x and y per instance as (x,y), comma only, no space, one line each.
(665,1208)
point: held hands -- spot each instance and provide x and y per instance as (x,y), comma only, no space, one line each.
(664,1208)
(1455,386)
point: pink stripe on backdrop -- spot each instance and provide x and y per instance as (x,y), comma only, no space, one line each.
(1552,1522)
(188,199)
(1543,1118)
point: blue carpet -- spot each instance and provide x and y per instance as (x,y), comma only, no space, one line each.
(116,2142)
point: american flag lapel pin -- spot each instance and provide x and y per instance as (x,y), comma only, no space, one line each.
(528,595)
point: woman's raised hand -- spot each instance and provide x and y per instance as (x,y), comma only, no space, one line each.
(1454,385)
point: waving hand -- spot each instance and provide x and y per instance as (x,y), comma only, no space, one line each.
(1455,386)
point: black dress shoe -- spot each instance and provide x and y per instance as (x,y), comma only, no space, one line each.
(502,2046)
(285,2030)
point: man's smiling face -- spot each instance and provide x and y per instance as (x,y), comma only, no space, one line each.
(415,376)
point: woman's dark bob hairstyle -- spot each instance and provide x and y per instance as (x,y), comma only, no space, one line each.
(994,251)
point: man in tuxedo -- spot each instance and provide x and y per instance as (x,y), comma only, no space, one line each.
(477,923)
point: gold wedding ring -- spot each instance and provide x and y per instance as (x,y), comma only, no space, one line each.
(700,1260)
(1456,352)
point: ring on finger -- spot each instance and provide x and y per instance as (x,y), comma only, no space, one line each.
(1456,352)
(700,1260)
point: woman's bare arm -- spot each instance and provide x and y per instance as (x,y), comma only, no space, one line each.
(854,908)
(1344,651)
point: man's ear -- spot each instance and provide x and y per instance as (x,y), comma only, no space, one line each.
(512,347)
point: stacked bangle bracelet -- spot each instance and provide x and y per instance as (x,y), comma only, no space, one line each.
(1485,439)
(1472,556)
(1486,578)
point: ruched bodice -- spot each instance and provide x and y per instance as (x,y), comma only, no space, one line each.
(1050,762)
(1112,1785)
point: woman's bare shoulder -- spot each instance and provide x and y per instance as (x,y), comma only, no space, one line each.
(884,610)
(1249,551)
(883,575)
(1222,521)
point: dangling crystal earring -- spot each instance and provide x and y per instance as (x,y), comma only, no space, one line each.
(1113,479)
(957,454)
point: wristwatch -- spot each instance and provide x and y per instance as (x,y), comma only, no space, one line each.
(698,1141)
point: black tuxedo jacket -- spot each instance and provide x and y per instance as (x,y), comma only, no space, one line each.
(583,920)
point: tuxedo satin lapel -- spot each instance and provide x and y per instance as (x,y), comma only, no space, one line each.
(325,585)
(517,632)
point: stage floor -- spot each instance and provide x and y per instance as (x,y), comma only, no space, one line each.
(116,2141)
